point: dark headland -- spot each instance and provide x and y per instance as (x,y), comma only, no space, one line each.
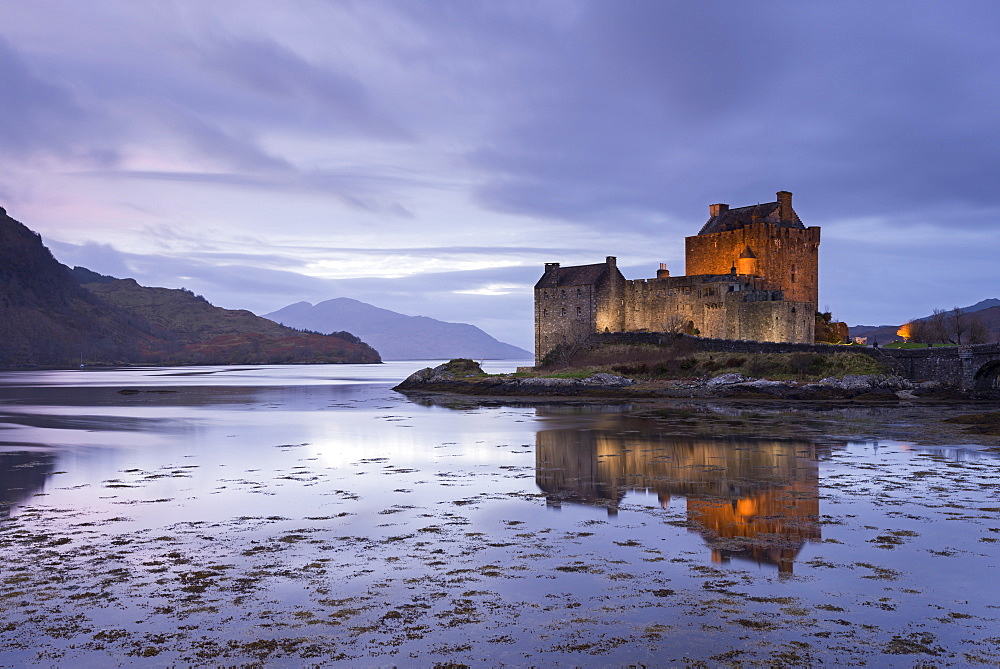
(53,316)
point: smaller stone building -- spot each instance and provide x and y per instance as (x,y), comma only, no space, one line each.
(755,278)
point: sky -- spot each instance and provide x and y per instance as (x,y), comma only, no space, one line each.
(430,156)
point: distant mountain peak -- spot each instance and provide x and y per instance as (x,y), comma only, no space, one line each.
(397,336)
(988,303)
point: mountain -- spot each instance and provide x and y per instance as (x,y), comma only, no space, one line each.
(395,335)
(982,305)
(48,318)
(197,332)
(84,275)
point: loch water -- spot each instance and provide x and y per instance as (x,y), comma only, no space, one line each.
(310,515)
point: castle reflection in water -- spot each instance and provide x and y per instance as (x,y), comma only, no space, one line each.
(748,497)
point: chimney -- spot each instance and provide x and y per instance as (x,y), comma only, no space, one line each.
(785,213)
(716,209)
(663,272)
(612,261)
(549,266)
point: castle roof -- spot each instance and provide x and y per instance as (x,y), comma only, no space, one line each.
(734,219)
(580,275)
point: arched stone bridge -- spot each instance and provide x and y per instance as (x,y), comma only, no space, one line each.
(975,367)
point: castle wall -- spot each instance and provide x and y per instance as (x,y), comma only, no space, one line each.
(722,307)
(562,315)
(778,321)
(786,257)
(570,313)
(610,303)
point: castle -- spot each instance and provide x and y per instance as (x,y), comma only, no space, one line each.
(752,275)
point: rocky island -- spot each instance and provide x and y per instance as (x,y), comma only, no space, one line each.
(681,366)
(466,377)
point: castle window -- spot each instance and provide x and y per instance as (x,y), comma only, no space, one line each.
(545,294)
(564,295)
(579,292)
(545,312)
(564,311)
(579,311)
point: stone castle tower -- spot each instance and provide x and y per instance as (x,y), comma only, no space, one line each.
(766,240)
(752,275)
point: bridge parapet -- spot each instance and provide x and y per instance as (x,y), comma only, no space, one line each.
(974,367)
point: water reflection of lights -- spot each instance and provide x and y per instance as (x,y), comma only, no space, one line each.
(748,498)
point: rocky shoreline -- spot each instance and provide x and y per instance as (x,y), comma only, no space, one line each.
(465,377)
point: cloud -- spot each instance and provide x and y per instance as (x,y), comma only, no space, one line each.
(645,112)
(297,91)
(42,118)
(102,258)
(327,147)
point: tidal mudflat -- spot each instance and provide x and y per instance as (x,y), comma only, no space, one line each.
(284,516)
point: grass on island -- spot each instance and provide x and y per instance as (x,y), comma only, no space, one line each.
(682,360)
(907,344)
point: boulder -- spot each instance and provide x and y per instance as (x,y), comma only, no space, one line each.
(864,382)
(605,379)
(727,379)
(449,371)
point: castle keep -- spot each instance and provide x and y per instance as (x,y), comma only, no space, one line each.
(752,275)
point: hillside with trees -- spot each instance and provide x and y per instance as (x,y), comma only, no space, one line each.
(975,324)
(48,318)
(956,327)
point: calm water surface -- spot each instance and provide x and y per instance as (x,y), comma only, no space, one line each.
(310,515)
